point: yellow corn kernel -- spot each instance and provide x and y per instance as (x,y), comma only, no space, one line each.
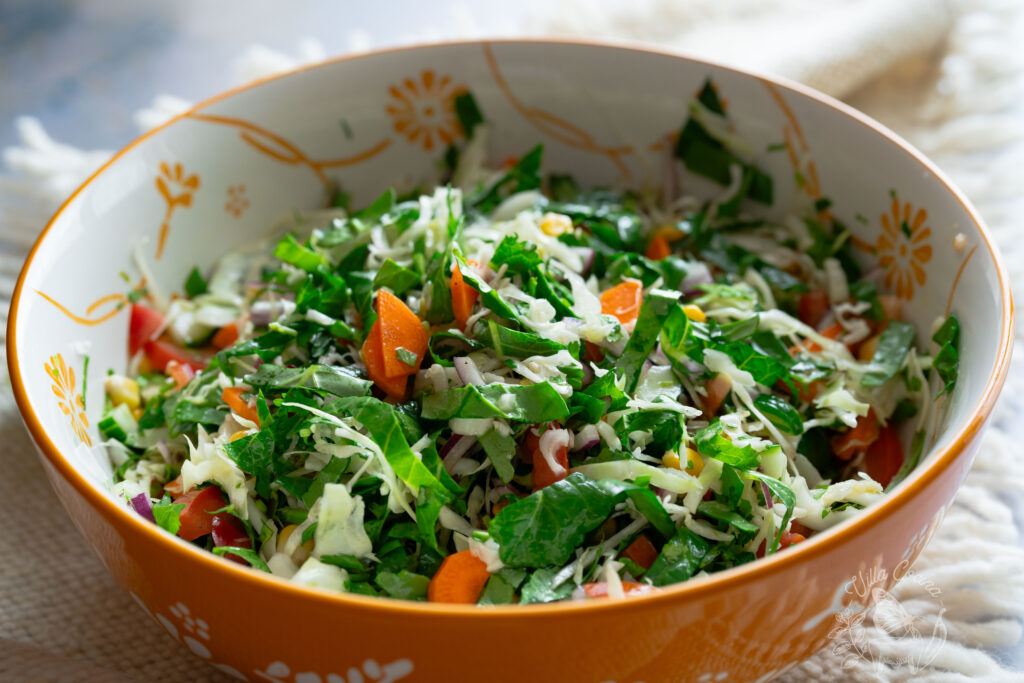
(137,413)
(302,552)
(670,233)
(670,459)
(122,391)
(694,313)
(555,224)
(867,350)
(694,463)
(241,433)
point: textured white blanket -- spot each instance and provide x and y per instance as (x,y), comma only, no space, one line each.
(946,74)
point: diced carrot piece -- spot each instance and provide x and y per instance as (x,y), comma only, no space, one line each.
(463,298)
(798,528)
(831,332)
(718,388)
(813,306)
(885,456)
(226,336)
(622,301)
(543,474)
(599,589)
(180,373)
(641,551)
(459,580)
(373,359)
(400,328)
(174,488)
(788,538)
(857,440)
(657,248)
(233,397)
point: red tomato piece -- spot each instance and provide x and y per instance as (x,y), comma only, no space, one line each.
(813,307)
(885,456)
(600,589)
(160,353)
(228,530)
(196,517)
(641,551)
(142,325)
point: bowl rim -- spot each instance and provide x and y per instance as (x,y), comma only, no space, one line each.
(942,455)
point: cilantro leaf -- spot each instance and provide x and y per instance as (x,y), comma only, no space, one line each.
(947,360)
(195,284)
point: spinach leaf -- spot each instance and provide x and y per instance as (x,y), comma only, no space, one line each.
(947,360)
(893,346)
(498,591)
(380,421)
(722,512)
(520,257)
(330,474)
(428,509)
(254,454)
(290,251)
(545,527)
(404,585)
(488,296)
(525,175)
(646,503)
(512,343)
(531,403)
(656,307)
(436,292)
(195,284)
(712,442)
(322,378)
(247,554)
(781,413)
(468,113)
(868,292)
(395,277)
(499,449)
(539,589)
(815,447)
(680,558)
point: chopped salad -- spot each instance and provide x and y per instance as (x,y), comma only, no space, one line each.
(510,389)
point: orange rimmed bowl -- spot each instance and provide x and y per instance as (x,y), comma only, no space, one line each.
(221,173)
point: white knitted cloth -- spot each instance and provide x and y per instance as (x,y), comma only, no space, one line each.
(946,74)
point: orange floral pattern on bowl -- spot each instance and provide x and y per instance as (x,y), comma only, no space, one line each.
(237,202)
(903,248)
(70,401)
(423,109)
(177,189)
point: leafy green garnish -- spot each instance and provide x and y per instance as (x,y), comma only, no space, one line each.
(533,403)
(781,413)
(195,284)
(247,554)
(166,514)
(545,527)
(680,558)
(947,360)
(893,346)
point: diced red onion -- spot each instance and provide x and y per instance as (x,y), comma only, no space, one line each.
(454,449)
(659,356)
(588,375)
(696,276)
(586,437)
(141,505)
(165,452)
(467,371)
(767,494)
(552,441)
(587,256)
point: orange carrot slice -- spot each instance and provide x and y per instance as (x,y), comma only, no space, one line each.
(641,551)
(400,328)
(718,388)
(657,248)
(858,439)
(463,298)
(373,359)
(226,336)
(459,580)
(622,301)
(233,397)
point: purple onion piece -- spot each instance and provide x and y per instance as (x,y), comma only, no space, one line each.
(587,255)
(586,437)
(588,375)
(454,449)
(659,492)
(467,371)
(696,276)
(767,494)
(141,505)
